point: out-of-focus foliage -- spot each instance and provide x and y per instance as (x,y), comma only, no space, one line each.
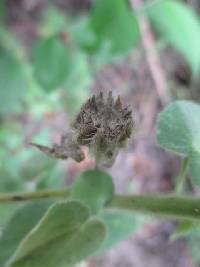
(120,225)
(55,72)
(194,242)
(53,22)
(113,36)
(78,81)
(180,26)
(13,82)
(51,62)
(58,59)
(2,10)
(184,229)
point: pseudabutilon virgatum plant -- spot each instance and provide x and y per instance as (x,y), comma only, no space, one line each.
(89,216)
(103,125)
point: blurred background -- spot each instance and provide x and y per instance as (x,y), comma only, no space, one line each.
(53,56)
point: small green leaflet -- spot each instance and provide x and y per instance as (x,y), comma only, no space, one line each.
(94,188)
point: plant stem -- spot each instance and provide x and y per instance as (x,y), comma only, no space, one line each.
(178,207)
(17,197)
(168,206)
(182,175)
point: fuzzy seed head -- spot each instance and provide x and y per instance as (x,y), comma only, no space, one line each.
(104,126)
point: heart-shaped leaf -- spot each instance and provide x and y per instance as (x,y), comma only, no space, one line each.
(65,235)
(95,188)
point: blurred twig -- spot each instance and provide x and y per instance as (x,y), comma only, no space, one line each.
(151,54)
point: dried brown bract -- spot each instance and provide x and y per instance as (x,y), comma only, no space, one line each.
(102,124)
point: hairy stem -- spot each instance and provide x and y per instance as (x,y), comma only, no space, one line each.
(17,197)
(169,206)
(182,175)
(178,207)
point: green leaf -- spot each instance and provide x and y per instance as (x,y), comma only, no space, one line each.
(177,125)
(180,26)
(53,21)
(19,225)
(6,211)
(13,82)
(78,82)
(95,188)
(120,226)
(178,129)
(51,62)
(63,237)
(112,29)
(184,229)
(194,243)
(42,167)
(2,10)
(82,34)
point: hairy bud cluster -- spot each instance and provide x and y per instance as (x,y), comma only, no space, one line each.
(102,124)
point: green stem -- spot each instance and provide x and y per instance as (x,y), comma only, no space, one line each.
(178,207)
(182,175)
(17,197)
(169,206)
